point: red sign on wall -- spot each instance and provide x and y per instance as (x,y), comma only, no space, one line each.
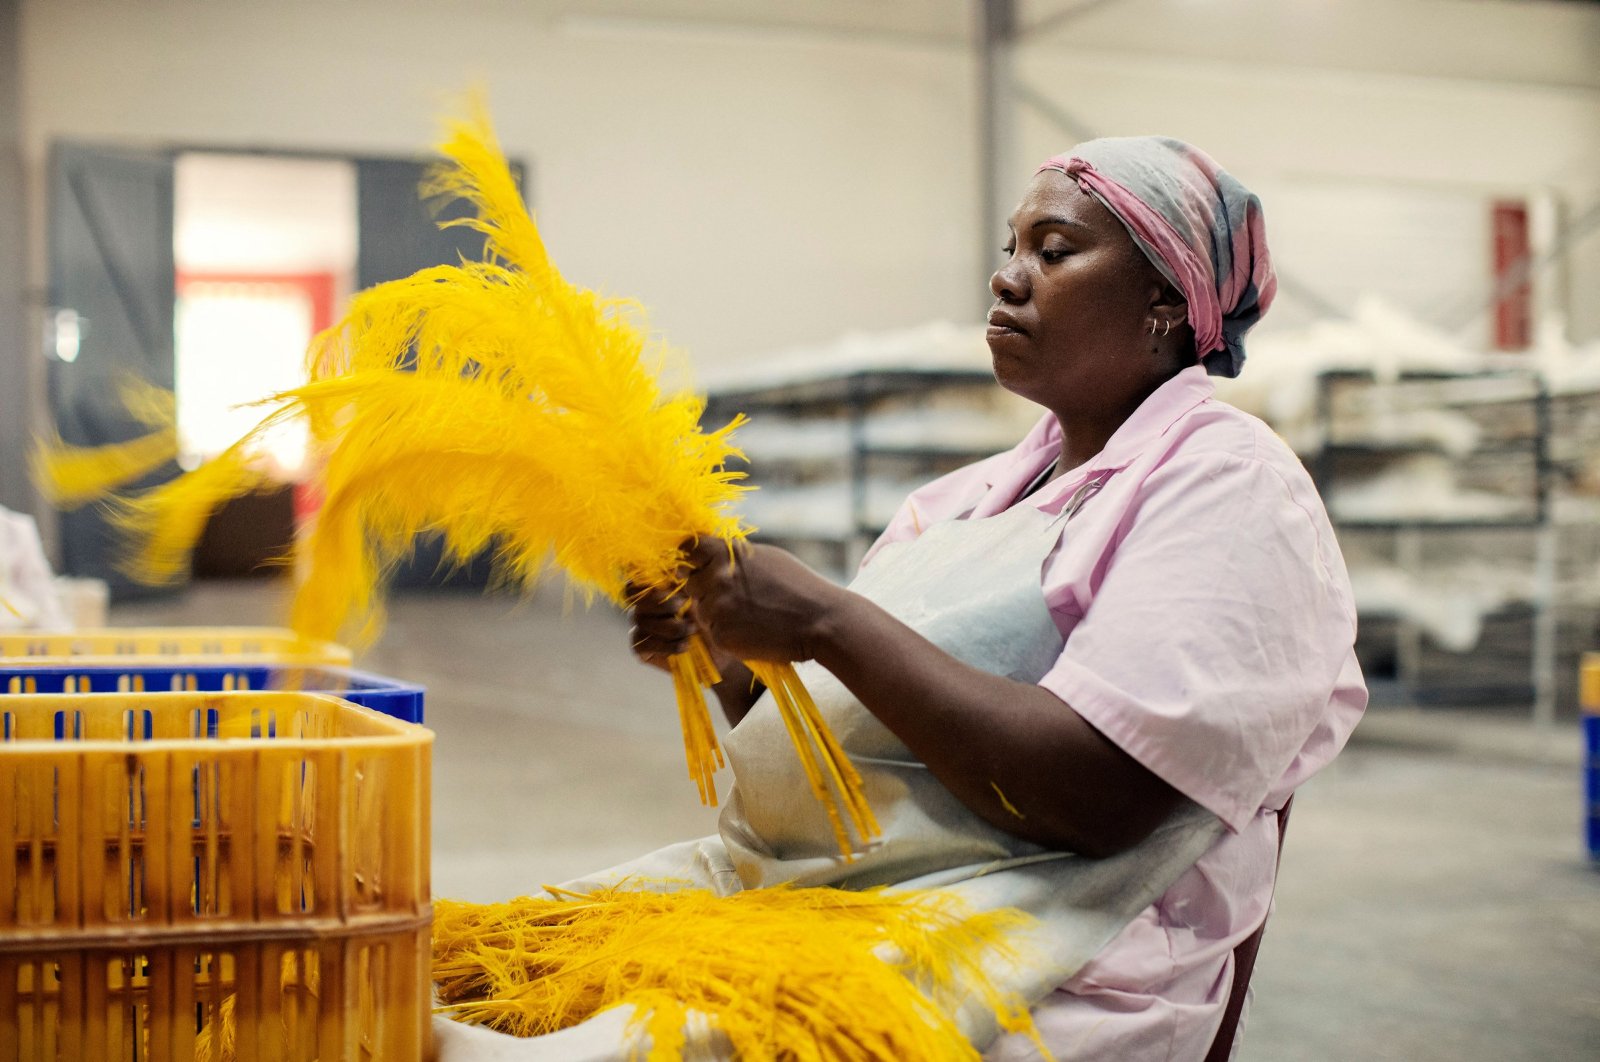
(1513,309)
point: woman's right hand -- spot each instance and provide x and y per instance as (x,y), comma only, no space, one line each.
(662,624)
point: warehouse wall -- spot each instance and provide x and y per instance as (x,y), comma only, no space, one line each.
(1409,107)
(761,187)
(1419,142)
(15,351)
(754,192)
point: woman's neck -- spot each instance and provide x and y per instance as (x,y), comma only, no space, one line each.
(1085,431)
(1084,434)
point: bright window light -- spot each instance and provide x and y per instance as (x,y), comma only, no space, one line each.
(236,344)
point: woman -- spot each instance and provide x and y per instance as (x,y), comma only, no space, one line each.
(1205,612)
(1083,676)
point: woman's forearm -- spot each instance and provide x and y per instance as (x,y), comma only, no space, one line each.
(737,692)
(1013,752)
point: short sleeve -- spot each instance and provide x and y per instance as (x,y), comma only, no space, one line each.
(1211,647)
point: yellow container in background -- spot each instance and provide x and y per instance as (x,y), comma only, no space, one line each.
(244,645)
(1589,683)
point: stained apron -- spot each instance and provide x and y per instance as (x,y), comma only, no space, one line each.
(971,587)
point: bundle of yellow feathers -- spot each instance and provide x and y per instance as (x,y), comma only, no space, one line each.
(491,403)
(498,406)
(790,974)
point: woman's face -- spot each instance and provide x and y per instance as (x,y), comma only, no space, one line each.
(1070,327)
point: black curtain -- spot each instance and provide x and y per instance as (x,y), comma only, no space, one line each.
(111,284)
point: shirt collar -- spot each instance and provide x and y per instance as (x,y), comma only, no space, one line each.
(1165,406)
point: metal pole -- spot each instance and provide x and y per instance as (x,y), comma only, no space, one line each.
(1545,564)
(1069,13)
(1545,570)
(997,34)
(856,399)
(1408,633)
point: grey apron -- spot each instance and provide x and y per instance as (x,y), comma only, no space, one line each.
(972,587)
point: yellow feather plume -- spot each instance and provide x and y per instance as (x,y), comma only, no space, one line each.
(482,179)
(70,476)
(783,973)
(169,519)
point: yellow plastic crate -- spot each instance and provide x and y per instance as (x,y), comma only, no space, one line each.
(341,998)
(140,833)
(108,645)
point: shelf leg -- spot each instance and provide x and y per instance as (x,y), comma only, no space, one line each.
(1408,635)
(1544,627)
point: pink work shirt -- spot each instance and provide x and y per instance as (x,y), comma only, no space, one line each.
(1209,632)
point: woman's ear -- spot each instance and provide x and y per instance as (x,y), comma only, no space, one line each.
(1173,338)
(1169,306)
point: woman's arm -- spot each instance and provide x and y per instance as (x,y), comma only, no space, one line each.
(1014,753)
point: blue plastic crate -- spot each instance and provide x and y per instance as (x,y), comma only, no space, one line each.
(1591,781)
(400,700)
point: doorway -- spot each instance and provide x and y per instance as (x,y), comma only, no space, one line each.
(206,271)
(265,249)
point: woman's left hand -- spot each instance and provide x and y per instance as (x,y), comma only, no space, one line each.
(758,602)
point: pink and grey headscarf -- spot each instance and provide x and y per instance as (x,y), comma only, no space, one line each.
(1200,227)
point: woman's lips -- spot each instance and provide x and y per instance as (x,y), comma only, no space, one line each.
(1002,324)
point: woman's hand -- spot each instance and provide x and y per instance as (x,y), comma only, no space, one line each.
(758,602)
(662,626)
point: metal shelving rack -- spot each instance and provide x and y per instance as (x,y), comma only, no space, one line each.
(852,396)
(1459,392)
(1536,442)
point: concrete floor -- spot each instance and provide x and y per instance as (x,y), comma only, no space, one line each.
(1434,904)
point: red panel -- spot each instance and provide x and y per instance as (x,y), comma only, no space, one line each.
(1513,310)
(317,287)
(319,290)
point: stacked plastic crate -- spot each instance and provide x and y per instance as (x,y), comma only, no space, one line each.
(1589,706)
(239,874)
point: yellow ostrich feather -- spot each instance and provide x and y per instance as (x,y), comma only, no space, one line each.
(783,973)
(70,476)
(496,405)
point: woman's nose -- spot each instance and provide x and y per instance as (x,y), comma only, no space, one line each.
(1008,284)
